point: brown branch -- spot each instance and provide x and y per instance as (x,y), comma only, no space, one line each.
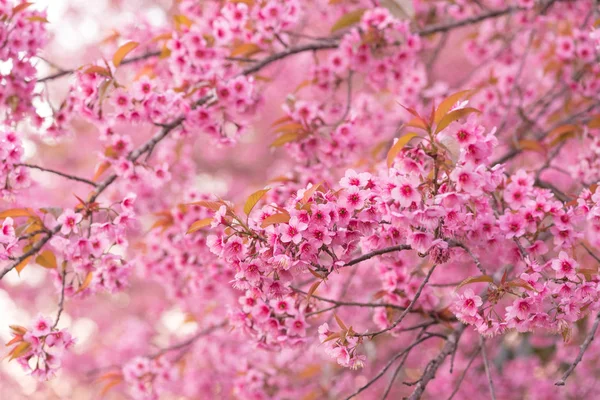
(486,365)
(584,346)
(407,310)
(191,340)
(454,243)
(467,21)
(63,174)
(129,60)
(434,365)
(377,253)
(462,376)
(61,303)
(388,365)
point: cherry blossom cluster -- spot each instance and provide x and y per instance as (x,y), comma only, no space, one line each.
(13,176)
(429,195)
(39,350)
(22,35)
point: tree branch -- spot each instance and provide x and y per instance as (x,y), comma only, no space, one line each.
(462,376)
(435,364)
(486,365)
(52,171)
(584,346)
(129,60)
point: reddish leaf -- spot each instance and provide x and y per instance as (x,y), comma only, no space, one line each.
(196,226)
(122,52)
(398,146)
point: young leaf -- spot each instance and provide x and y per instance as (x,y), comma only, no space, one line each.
(332,336)
(448,102)
(292,127)
(100,169)
(18,212)
(86,282)
(520,283)
(347,20)
(20,350)
(285,118)
(123,51)
(310,192)
(96,69)
(399,145)
(20,7)
(340,322)
(475,279)
(21,266)
(253,199)
(196,226)
(182,20)
(245,49)
(532,145)
(285,138)
(312,290)
(46,259)
(454,116)
(211,205)
(279,218)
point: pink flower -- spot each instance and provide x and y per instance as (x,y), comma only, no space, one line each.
(354,198)
(513,225)
(468,303)
(7,232)
(406,191)
(296,326)
(521,309)
(565,266)
(41,326)
(69,220)
(292,231)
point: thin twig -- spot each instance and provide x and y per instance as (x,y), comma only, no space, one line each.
(462,376)
(387,366)
(375,253)
(63,174)
(408,309)
(129,60)
(486,364)
(61,303)
(584,346)
(435,364)
(191,340)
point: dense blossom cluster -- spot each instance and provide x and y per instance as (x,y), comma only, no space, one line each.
(39,349)
(430,201)
(22,35)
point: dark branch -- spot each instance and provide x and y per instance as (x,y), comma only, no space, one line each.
(584,346)
(63,174)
